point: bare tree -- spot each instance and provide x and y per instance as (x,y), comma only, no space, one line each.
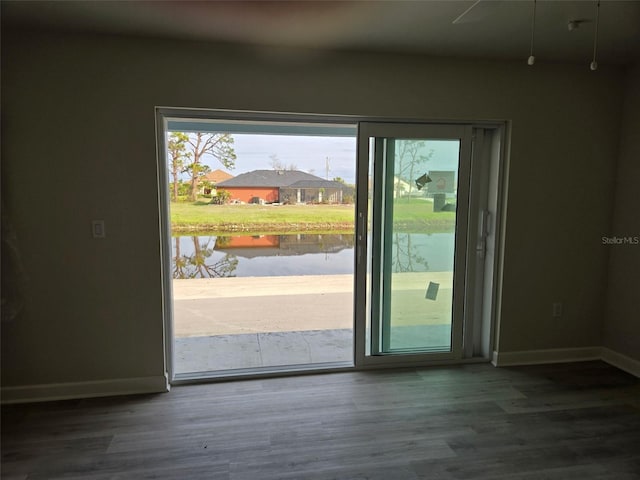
(277,164)
(408,158)
(217,145)
(178,155)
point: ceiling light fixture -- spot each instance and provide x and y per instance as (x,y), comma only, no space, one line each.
(532,59)
(594,64)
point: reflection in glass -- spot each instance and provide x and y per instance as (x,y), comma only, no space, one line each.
(418,245)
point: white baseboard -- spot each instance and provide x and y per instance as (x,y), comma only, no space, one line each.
(621,361)
(99,388)
(160,383)
(554,355)
(560,355)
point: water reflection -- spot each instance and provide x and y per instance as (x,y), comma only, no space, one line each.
(251,246)
(408,254)
(192,259)
(300,254)
(262,255)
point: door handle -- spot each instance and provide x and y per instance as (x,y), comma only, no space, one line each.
(485,217)
(360,236)
(481,246)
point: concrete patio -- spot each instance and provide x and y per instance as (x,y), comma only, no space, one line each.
(236,323)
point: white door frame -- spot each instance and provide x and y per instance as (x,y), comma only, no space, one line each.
(367,126)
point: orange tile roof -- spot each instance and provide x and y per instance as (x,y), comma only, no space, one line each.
(217,176)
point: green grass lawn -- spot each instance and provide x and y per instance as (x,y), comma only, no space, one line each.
(415,215)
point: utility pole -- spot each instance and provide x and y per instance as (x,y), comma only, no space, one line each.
(327,168)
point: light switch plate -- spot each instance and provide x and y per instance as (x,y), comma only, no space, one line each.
(97,228)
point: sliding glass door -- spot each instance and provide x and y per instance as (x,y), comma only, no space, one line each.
(266,271)
(260,221)
(414,224)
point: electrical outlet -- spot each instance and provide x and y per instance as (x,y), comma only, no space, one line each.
(557,309)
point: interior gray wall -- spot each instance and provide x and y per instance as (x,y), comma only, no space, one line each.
(78,143)
(622,326)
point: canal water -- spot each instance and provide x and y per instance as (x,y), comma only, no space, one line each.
(300,254)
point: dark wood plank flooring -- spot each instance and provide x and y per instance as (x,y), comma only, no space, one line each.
(570,421)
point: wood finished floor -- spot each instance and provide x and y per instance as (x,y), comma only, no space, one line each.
(571,421)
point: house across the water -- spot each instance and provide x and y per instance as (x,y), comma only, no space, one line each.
(212,179)
(284,186)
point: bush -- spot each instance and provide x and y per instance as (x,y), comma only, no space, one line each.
(221,197)
(183,189)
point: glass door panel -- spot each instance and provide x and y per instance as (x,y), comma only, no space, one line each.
(418,207)
(419,244)
(261,240)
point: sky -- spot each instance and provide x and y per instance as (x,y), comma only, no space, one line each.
(312,154)
(307,153)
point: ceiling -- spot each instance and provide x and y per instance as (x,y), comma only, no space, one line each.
(491,29)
